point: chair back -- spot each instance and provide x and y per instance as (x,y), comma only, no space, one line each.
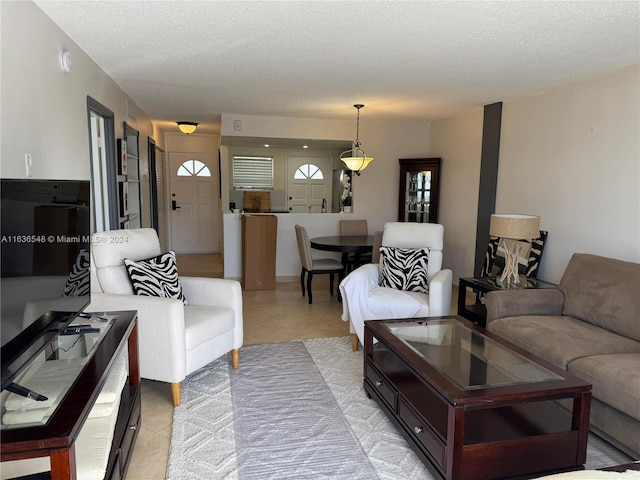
(108,251)
(354,227)
(304,247)
(417,235)
(377,243)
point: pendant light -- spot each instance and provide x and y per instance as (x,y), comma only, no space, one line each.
(355,159)
(187,127)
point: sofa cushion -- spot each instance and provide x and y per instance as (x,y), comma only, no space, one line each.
(604,292)
(615,379)
(198,325)
(561,339)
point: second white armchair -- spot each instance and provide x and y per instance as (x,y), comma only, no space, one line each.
(375,291)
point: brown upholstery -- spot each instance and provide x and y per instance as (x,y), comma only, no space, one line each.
(355,227)
(311,266)
(589,325)
(377,243)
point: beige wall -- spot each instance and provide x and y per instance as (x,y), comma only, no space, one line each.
(376,189)
(458,141)
(44,110)
(570,155)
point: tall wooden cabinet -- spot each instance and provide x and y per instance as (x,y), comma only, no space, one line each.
(129,179)
(419,188)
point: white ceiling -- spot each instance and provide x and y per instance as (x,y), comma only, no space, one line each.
(193,60)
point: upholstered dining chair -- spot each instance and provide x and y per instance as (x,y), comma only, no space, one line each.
(407,282)
(176,337)
(311,266)
(355,227)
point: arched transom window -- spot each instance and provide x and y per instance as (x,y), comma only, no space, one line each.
(193,168)
(308,171)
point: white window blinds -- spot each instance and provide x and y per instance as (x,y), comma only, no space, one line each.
(252,172)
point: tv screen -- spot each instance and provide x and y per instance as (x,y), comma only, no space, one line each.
(45,235)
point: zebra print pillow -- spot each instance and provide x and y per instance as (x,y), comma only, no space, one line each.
(78,284)
(405,268)
(156,277)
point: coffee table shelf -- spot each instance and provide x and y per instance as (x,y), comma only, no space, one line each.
(472,405)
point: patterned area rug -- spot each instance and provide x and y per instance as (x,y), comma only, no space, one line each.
(269,435)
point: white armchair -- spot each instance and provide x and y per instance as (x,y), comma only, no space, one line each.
(364,299)
(174,339)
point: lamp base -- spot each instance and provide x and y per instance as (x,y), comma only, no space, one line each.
(511,252)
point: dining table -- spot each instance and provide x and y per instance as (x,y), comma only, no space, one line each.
(345,244)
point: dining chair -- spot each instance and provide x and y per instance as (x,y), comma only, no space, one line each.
(355,227)
(311,266)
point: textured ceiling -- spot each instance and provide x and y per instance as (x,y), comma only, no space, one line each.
(193,60)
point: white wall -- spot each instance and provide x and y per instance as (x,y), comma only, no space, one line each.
(570,155)
(44,110)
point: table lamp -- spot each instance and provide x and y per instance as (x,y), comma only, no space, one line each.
(512,228)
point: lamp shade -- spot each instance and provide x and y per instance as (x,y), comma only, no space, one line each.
(356,163)
(187,127)
(515,226)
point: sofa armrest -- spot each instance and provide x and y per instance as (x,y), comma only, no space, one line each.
(512,303)
(440,293)
(161,332)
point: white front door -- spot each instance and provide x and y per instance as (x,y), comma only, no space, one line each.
(308,184)
(194,203)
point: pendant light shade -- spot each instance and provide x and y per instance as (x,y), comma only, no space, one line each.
(355,159)
(187,127)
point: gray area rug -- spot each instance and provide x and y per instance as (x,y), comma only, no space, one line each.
(218,437)
(287,422)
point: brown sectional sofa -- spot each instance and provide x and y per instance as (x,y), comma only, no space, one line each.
(590,326)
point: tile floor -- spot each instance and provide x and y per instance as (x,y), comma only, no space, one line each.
(270,316)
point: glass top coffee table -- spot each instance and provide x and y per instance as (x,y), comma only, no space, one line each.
(472,405)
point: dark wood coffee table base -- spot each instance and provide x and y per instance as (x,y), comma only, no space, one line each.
(504,436)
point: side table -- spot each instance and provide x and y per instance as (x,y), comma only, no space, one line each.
(477,312)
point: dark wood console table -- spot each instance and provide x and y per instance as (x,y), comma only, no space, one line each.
(470,404)
(55,436)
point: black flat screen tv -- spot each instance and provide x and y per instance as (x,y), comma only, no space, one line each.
(45,257)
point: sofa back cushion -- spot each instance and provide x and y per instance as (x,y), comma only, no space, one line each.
(604,292)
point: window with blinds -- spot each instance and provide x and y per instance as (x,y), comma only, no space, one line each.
(252,172)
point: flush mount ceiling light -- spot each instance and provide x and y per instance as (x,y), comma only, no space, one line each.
(187,127)
(355,159)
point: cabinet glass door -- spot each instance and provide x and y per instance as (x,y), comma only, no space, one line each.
(419,190)
(418,196)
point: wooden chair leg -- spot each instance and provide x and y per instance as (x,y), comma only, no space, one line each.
(332,276)
(235,358)
(309,278)
(175,394)
(354,342)
(302,280)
